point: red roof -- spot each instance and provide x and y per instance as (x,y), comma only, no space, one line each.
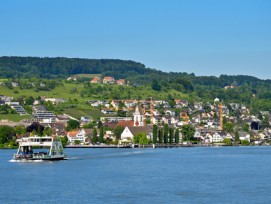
(95,80)
(120,81)
(108,78)
(73,133)
(126,123)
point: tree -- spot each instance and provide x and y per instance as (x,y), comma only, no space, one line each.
(188,132)
(245,142)
(246,127)
(160,136)
(7,134)
(265,122)
(227,141)
(35,128)
(166,133)
(72,124)
(171,132)
(101,135)
(47,131)
(154,134)
(177,137)
(121,113)
(94,136)
(64,140)
(100,124)
(76,142)
(141,139)
(20,129)
(155,85)
(29,100)
(228,127)
(117,131)
(236,138)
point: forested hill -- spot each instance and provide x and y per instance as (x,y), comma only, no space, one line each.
(60,67)
(137,73)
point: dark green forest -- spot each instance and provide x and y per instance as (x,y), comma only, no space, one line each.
(248,90)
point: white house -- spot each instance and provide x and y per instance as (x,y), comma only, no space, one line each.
(77,135)
(129,132)
(244,136)
(217,137)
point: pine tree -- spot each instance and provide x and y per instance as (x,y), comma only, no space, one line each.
(160,136)
(94,137)
(101,136)
(166,133)
(236,138)
(154,133)
(177,137)
(171,132)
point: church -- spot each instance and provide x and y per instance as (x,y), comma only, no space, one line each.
(139,126)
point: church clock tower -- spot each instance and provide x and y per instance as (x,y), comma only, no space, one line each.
(138,116)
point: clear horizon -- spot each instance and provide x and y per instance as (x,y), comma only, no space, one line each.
(207,38)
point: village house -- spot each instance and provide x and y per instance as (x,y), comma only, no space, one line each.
(14,84)
(108,112)
(129,132)
(170,112)
(115,104)
(55,100)
(78,135)
(181,103)
(95,80)
(244,136)
(156,119)
(198,136)
(217,137)
(74,78)
(198,106)
(58,128)
(130,104)
(108,80)
(120,82)
(85,119)
(184,115)
(94,103)
(166,119)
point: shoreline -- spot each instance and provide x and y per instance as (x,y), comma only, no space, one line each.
(157,146)
(148,146)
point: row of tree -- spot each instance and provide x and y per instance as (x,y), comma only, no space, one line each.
(166,135)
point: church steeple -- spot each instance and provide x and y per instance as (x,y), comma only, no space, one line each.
(138,116)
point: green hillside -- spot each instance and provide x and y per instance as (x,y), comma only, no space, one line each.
(39,77)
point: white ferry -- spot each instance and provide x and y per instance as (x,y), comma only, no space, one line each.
(51,147)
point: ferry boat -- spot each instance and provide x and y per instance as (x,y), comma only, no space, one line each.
(51,147)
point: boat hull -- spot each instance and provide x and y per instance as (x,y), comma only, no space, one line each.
(44,159)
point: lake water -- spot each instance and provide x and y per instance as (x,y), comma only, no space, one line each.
(173,175)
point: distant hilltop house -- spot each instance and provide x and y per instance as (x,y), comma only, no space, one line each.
(55,100)
(108,80)
(14,84)
(121,82)
(95,80)
(74,78)
(230,87)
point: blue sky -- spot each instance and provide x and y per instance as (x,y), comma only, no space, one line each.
(206,37)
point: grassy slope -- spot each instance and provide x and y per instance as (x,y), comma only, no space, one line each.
(82,108)
(13,117)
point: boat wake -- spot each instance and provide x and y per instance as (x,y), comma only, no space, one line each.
(26,161)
